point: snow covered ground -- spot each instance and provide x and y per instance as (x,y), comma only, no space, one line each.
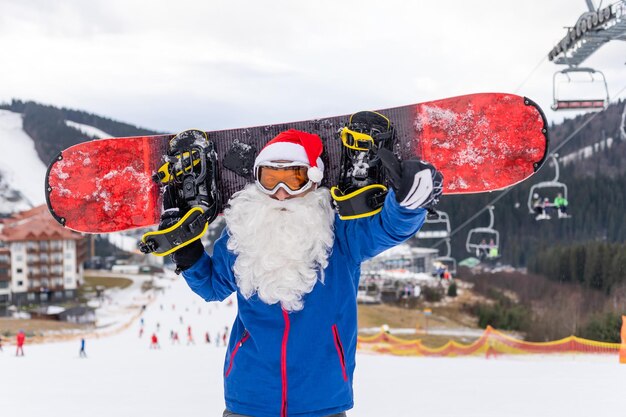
(88,130)
(21,166)
(123,377)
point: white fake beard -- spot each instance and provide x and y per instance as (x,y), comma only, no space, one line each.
(280,245)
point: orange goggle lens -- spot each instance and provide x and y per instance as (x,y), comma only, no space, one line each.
(293,177)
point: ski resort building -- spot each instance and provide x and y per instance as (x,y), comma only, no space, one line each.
(40,260)
(413,259)
(397,273)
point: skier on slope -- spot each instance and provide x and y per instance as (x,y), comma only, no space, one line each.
(295,267)
(154,342)
(190,336)
(82,353)
(20,339)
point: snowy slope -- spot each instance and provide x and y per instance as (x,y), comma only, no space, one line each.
(11,200)
(20,166)
(123,377)
(88,130)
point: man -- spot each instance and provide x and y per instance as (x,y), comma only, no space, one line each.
(82,353)
(20,339)
(538,206)
(154,342)
(295,267)
(560,203)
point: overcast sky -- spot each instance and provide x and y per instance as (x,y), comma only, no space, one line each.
(171,65)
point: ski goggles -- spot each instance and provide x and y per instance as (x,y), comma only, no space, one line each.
(290,176)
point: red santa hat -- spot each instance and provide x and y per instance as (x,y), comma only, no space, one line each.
(297,146)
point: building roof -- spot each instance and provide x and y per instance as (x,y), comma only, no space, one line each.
(49,310)
(77,311)
(405,251)
(34,224)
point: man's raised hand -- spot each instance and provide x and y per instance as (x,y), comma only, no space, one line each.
(416,183)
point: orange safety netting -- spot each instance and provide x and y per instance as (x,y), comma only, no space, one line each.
(622,350)
(492,342)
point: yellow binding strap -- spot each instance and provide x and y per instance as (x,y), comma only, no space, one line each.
(175,226)
(340,197)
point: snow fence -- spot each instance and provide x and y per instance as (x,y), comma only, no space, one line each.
(491,343)
(622,350)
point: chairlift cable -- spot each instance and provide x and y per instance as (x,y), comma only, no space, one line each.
(478,213)
(529,76)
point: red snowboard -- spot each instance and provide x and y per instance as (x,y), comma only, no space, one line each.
(480,142)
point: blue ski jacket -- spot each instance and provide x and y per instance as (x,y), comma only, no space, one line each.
(300,363)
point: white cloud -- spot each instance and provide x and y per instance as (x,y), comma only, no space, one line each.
(220,64)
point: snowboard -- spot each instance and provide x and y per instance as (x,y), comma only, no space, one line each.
(480,142)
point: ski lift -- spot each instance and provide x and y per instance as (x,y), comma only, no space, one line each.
(593,29)
(436,226)
(447,260)
(484,242)
(596,94)
(553,188)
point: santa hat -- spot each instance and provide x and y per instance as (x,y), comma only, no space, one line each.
(297,146)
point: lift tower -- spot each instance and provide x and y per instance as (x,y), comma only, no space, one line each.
(593,29)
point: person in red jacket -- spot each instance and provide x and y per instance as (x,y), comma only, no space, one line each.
(154,342)
(190,336)
(21,337)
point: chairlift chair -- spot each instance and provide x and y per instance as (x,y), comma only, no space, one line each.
(569,76)
(440,229)
(478,234)
(553,185)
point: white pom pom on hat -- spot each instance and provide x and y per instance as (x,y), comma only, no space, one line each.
(315,174)
(297,146)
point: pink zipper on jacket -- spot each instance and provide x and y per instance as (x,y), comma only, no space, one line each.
(340,353)
(283,364)
(245,337)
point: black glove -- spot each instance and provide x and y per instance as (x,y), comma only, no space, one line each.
(187,255)
(416,183)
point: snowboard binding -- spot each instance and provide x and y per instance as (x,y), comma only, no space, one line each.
(189,178)
(361,191)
